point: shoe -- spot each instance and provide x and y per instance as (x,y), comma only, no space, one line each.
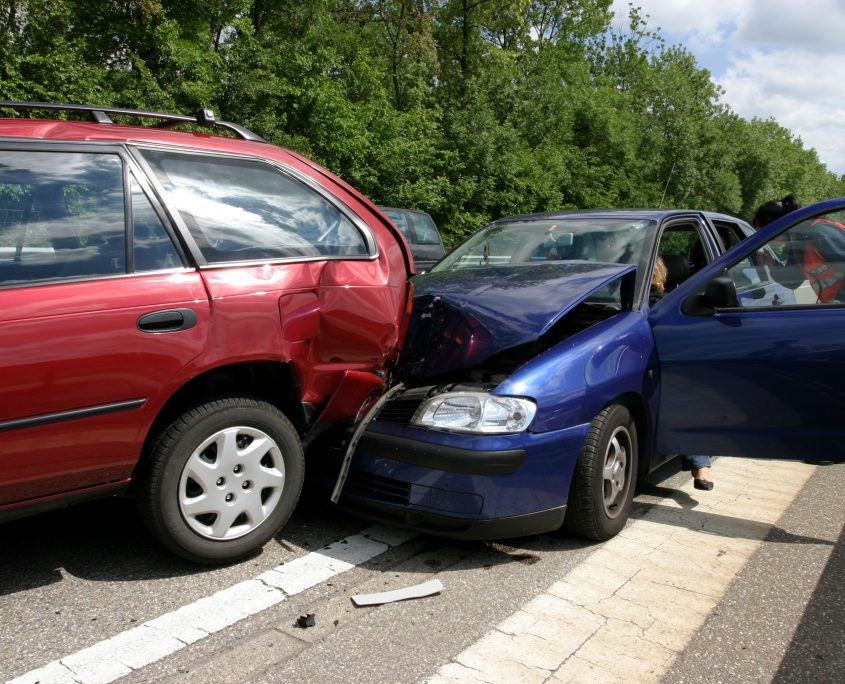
(706,485)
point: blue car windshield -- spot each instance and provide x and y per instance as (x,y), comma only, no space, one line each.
(515,243)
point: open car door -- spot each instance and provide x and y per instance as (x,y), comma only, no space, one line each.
(752,348)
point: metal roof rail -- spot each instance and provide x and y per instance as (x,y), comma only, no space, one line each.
(203,117)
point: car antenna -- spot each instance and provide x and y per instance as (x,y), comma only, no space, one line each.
(666,187)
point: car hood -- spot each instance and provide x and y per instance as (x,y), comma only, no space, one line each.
(462,318)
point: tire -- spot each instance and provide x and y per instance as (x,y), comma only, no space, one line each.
(603,485)
(221,479)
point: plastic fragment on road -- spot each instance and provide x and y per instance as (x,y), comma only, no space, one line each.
(306,620)
(417,591)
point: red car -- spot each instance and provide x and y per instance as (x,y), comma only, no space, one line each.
(179,313)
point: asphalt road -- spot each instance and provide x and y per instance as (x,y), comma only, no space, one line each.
(73,580)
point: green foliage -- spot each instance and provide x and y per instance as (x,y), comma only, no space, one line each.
(467,109)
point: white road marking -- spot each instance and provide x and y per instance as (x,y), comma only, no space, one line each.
(626,612)
(135,648)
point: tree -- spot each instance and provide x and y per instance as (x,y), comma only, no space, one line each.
(468,109)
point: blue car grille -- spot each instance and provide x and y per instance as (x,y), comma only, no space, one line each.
(400,410)
(377,487)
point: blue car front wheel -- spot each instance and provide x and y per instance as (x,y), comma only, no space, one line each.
(602,489)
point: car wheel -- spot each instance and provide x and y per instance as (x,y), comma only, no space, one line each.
(602,489)
(221,479)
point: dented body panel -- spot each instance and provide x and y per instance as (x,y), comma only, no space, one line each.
(462,319)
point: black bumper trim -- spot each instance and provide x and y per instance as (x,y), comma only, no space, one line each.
(457,528)
(73,414)
(450,459)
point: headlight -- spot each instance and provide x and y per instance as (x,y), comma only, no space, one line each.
(476,412)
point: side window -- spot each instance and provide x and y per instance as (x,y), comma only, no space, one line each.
(425,229)
(730,233)
(152,246)
(239,209)
(755,286)
(682,252)
(804,265)
(398,217)
(61,216)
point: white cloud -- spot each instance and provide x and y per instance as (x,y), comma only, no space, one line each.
(694,22)
(811,25)
(777,59)
(797,88)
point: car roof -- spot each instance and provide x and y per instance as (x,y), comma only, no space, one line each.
(641,214)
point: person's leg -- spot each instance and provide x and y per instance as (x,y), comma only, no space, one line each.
(699,464)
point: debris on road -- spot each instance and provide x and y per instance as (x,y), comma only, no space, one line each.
(306,620)
(417,591)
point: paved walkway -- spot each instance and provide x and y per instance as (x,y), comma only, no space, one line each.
(633,606)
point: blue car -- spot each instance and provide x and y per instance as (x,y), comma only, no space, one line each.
(541,376)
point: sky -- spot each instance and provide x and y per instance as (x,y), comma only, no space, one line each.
(778,59)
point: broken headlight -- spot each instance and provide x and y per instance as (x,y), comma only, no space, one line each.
(478,412)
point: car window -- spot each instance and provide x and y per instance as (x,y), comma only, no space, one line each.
(609,240)
(239,209)
(804,265)
(153,248)
(682,251)
(729,233)
(524,243)
(61,216)
(755,286)
(425,229)
(398,217)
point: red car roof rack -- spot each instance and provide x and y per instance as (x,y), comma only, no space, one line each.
(203,117)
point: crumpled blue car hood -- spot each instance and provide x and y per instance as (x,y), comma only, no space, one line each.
(462,318)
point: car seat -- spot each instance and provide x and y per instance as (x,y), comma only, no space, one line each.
(677,270)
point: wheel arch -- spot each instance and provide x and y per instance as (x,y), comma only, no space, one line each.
(271,381)
(638,408)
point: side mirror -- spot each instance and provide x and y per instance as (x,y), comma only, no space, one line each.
(719,293)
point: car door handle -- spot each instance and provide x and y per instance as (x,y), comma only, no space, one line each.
(168,320)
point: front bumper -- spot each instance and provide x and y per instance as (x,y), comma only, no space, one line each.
(442,457)
(463,486)
(455,526)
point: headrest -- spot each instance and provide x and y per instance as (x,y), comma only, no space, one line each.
(677,269)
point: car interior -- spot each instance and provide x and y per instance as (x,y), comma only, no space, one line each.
(683,253)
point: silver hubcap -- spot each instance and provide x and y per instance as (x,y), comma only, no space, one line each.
(615,475)
(231,483)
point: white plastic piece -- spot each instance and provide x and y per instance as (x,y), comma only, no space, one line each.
(429,588)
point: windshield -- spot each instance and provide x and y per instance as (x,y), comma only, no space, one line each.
(602,239)
(526,242)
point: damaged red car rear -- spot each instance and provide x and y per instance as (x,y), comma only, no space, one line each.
(179,314)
